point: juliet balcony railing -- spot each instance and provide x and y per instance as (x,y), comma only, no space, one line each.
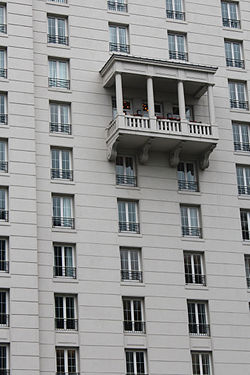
(239,104)
(59,1)
(3,118)
(56,127)
(3,73)
(66,324)
(63,174)
(244,189)
(242,146)
(4,265)
(191,278)
(64,222)
(66,373)
(4,215)
(191,231)
(187,185)
(117,6)
(127,275)
(59,83)
(129,226)
(175,55)
(235,63)
(4,320)
(199,329)
(248,282)
(228,22)
(4,166)
(64,272)
(3,28)
(134,326)
(118,47)
(58,39)
(4,371)
(176,15)
(126,180)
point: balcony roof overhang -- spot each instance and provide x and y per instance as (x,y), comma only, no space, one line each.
(162,69)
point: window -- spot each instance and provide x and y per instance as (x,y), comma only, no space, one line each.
(189,113)
(177,47)
(64,261)
(4,308)
(133,315)
(65,312)
(198,318)
(230,17)
(59,74)
(201,363)
(245,224)
(61,164)
(247,266)
(3,25)
(67,361)
(63,212)
(243,179)
(128,216)
(4,264)
(190,221)
(118,5)
(60,118)
(194,268)
(3,156)
(175,9)
(4,213)
(187,179)
(118,39)
(233,51)
(57,30)
(3,109)
(238,94)
(131,265)
(241,137)
(127,107)
(4,359)
(125,171)
(3,63)
(136,362)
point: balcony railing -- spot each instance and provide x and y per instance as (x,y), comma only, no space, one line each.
(127,275)
(56,127)
(240,104)
(126,180)
(4,265)
(3,73)
(3,118)
(4,215)
(134,326)
(228,22)
(4,371)
(117,6)
(187,185)
(175,14)
(58,39)
(175,55)
(235,63)
(244,189)
(191,278)
(199,329)
(248,282)
(65,272)
(191,231)
(3,166)
(60,1)
(60,83)
(64,174)
(3,28)
(4,320)
(118,47)
(241,146)
(129,227)
(66,373)
(66,222)
(66,324)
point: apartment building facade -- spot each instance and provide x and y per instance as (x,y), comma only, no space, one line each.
(124,187)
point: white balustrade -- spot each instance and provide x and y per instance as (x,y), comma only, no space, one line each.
(201,130)
(137,122)
(169,126)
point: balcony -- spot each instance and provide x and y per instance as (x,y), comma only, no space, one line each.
(4,166)
(239,104)
(3,119)
(58,39)
(4,266)
(191,231)
(117,6)
(3,28)
(4,215)
(64,272)
(3,73)
(59,83)
(127,275)
(187,185)
(233,23)
(129,226)
(56,127)
(118,47)
(235,63)
(199,329)
(61,174)
(67,324)
(64,222)
(4,320)
(160,122)
(191,278)
(175,15)
(175,55)
(130,326)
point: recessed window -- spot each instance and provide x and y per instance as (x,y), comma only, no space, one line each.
(194,268)
(63,212)
(65,313)
(177,46)
(243,179)
(238,95)
(59,74)
(64,261)
(4,213)
(245,224)
(201,363)
(3,62)
(175,9)
(190,221)
(125,171)
(4,255)
(133,313)
(3,23)
(230,14)
(61,164)
(198,318)
(187,176)
(128,216)
(247,267)
(3,109)
(136,362)
(131,266)
(4,359)
(118,38)
(67,361)
(234,54)
(60,118)
(4,308)
(118,5)
(58,30)
(241,135)
(3,156)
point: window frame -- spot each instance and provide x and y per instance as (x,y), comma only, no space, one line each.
(57,38)
(241,145)
(3,115)
(186,184)
(198,326)
(141,323)
(233,62)
(245,224)
(190,228)
(117,46)
(4,160)
(62,197)
(130,226)
(3,26)
(61,173)
(129,261)
(237,103)
(65,319)
(3,68)
(174,13)
(7,369)
(117,6)
(5,212)
(59,126)
(194,275)
(58,82)
(66,358)
(247,269)
(231,22)
(201,364)
(5,267)
(125,179)
(176,54)
(135,363)
(64,271)
(243,189)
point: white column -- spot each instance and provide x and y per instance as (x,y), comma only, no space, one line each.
(211,109)
(119,94)
(181,100)
(150,93)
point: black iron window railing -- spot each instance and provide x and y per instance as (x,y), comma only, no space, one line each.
(66,324)
(58,39)
(175,14)
(117,47)
(56,127)
(175,55)
(191,231)
(66,373)
(131,275)
(117,6)
(3,166)
(241,104)
(65,272)
(187,185)
(244,189)
(4,265)
(3,28)
(228,22)
(134,326)
(127,226)
(241,146)
(4,320)
(3,73)
(248,282)
(3,118)
(4,215)
(60,1)
(66,222)
(199,329)
(64,174)
(126,180)
(60,83)
(191,278)
(4,371)
(235,63)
